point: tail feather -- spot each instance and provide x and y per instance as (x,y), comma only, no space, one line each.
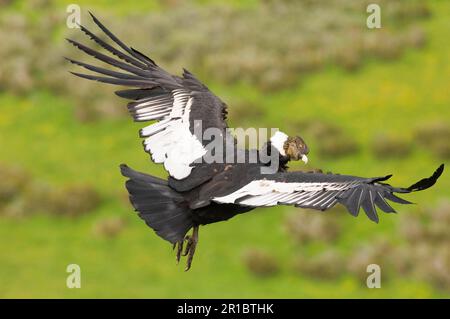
(163,209)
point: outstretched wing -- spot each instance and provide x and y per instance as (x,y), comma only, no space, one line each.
(323,191)
(176,103)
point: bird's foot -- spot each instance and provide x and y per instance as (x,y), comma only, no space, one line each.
(189,250)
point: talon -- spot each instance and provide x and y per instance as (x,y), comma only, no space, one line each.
(179,250)
(190,258)
(193,240)
(188,245)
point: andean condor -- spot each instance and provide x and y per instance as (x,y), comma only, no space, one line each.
(199,193)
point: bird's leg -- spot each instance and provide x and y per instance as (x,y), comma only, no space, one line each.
(190,247)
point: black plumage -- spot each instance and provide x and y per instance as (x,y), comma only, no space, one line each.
(199,192)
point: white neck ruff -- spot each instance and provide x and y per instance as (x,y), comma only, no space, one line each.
(278,140)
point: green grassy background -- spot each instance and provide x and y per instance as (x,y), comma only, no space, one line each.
(38,131)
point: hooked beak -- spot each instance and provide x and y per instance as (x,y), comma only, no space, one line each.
(305,159)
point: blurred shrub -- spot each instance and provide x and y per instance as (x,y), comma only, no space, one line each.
(309,226)
(442,213)
(220,42)
(425,255)
(332,141)
(337,146)
(402,12)
(427,224)
(260,263)
(375,252)
(13,182)
(35,199)
(412,229)
(390,146)
(245,112)
(416,37)
(441,148)
(428,241)
(433,264)
(317,128)
(435,137)
(72,200)
(432,130)
(21,196)
(68,201)
(16,208)
(109,227)
(34,60)
(327,265)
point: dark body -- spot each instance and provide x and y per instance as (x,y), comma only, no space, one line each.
(194,194)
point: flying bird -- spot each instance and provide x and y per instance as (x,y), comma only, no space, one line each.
(198,192)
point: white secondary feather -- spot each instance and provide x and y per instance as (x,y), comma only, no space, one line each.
(170,141)
(271,193)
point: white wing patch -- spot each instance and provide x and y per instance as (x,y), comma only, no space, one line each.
(169,141)
(271,193)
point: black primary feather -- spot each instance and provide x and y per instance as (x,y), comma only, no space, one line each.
(104,71)
(120,43)
(427,182)
(111,49)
